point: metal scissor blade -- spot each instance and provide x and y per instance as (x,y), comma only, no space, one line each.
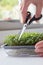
(22,31)
(25,25)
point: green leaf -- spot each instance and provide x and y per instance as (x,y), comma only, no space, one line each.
(26,39)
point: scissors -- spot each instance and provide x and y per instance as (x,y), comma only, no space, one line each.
(28,21)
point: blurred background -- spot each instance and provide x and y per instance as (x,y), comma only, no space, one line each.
(10,14)
(8,9)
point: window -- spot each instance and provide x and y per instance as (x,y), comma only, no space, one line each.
(10,15)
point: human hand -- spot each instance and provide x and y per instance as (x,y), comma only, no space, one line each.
(24,6)
(39,48)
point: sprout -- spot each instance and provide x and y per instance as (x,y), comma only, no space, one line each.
(26,39)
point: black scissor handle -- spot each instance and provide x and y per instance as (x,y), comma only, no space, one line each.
(35,19)
(28,16)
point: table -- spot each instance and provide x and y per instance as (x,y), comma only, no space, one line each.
(7,60)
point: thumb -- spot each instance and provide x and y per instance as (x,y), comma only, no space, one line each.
(38,11)
(24,13)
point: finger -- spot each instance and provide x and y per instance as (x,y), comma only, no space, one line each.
(39,44)
(25,4)
(42,3)
(23,16)
(21,6)
(38,10)
(39,50)
(40,54)
(23,13)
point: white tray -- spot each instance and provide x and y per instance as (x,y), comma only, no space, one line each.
(20,51)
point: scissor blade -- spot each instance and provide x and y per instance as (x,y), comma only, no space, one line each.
(22,31)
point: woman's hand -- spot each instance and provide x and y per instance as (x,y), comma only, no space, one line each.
(39,48)
(24,6)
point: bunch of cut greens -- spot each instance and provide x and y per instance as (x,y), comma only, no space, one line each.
(26,39)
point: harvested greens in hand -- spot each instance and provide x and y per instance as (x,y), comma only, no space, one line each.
(26,39)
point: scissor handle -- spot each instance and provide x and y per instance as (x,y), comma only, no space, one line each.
(28,16)
(35,19)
